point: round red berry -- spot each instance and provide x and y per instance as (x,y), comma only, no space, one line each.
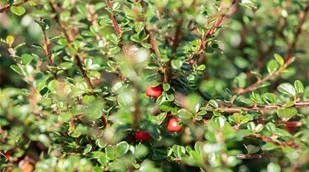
(291,125)
(8,154)
(142,135)
(154,91)
(173,125)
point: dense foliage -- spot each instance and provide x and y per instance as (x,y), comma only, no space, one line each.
(154,85)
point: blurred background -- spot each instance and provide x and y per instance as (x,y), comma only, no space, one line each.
(245,42)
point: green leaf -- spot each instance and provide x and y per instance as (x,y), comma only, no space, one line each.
(18,10)
(65,117)
(193,102)
(259,128)
(270,127)
(53,86)
(125,99)
(176,63)
(251,126)
(100,156)
(273,167)
(282,133)
(279,59)
(110,152)
(161,117)
(248,4)
(184,114)
(289,103)
(238,118)
(166,87)
(299,87)
(80,130)
(269,146)
(154,83)
(251,149)
(265,84)
(44,140)
(213,148)
(94,111)
(255,97)
(87,33)
(66,65)
(213,104)
(139,26)
(201,67)
(101,143)
(122,148)
(166,106)
(94,74)
(170,97)
(88,99)
(87,149)
(116,6)
(65,16)
(141,151)
(99,5)
(88,62)
(135,38)
(286,113)
(220,121)
(269,98)
(287,88)
(10,2)
(16,69)
(272,66)
(26,59)
(117,87)
(38,46)
(178,150)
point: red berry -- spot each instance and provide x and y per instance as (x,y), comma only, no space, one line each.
(8,154)
(291,125)
(154,91)
(142,135)
(290,129)
(173,125)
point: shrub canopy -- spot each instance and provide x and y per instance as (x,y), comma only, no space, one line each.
(154,85)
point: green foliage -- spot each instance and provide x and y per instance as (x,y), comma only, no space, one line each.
(75,79)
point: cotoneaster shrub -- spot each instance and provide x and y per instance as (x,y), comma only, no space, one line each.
(154,85)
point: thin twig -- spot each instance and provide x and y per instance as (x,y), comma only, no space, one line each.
(260,108)
(152,39)
(47,48)
(255,156)
(282,21)
(47,51)
(7,7)
(153,42)
(302,19)
(289,58)
(214,28)
(115,23)
(69,41)
(117,28)
(176,42)
(92,18)
(137,111)
(292,45)
(177,39)
(259,43)
(254,86)
(275,142)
